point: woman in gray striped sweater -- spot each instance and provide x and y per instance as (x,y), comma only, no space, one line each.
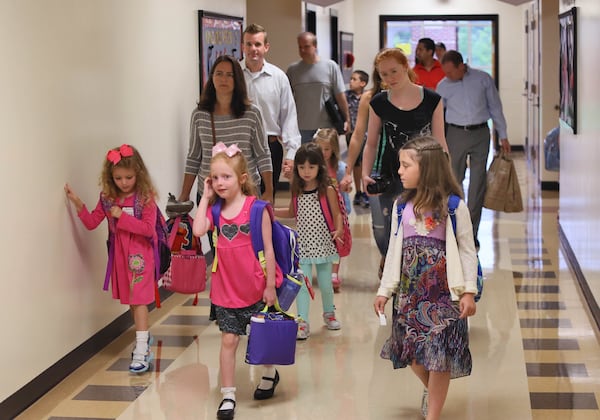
(225,114)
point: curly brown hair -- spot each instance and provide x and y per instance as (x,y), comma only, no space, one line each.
(144,187)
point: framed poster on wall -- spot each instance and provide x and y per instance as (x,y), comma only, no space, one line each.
(346,55)
(219,35)
(568,68)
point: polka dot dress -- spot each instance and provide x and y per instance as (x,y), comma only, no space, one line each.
(314,238)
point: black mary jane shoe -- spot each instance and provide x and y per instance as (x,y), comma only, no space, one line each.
(265,394)
(228,413)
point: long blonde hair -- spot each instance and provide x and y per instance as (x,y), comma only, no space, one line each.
(330,136)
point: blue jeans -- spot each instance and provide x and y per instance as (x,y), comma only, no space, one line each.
(381,216)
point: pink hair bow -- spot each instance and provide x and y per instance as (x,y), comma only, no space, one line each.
(115,156)
(229,151)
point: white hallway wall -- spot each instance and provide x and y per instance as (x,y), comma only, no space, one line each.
(579,169)
(78,77)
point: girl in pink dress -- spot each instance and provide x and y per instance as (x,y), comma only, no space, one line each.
(127,192)
(239,286)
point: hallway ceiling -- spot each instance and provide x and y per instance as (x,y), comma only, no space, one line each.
(324,3)
(515,2)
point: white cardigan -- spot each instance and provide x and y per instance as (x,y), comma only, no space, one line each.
(461,256)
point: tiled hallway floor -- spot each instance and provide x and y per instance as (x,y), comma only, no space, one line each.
(535,352)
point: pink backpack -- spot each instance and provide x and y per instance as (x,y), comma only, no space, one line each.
(345,246)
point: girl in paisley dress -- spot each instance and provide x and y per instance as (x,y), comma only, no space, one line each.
(434,273)
(127,191)
(239,287)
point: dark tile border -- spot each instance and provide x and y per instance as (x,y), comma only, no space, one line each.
(576,269)
(563,401)
(556,370)
(48,379)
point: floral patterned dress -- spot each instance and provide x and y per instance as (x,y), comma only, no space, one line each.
(426,326)
(133,274)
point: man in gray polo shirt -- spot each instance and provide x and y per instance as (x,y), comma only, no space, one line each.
(313,81)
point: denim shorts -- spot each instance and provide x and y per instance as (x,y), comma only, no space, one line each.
(235,320)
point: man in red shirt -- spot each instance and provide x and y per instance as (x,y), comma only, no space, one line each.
(428,69)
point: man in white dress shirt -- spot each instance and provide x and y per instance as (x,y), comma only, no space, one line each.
(269,89)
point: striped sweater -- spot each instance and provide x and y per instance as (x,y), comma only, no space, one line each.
(247,132)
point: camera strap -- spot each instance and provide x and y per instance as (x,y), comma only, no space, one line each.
(380,151)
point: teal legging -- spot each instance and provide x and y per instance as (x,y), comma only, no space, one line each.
(324,280)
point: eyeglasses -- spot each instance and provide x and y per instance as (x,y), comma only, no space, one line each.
(223,74)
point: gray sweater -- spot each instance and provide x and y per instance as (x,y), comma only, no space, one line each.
(247,132)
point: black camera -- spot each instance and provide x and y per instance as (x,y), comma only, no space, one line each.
(381,185)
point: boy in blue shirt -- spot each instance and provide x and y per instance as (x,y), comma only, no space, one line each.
(358,82)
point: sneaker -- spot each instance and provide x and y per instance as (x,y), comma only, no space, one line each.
(303,330)
(331,322)
(140,362)
(425,402)
(364,201)
(357,198)
(336,282)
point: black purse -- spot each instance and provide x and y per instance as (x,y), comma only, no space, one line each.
(335,114)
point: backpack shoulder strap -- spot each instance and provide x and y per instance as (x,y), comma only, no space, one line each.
(106,204)
(326,211)
(216,213)
(256,234)
(453,202)
(295,204)
(159,223)
(399,209)
(138,206)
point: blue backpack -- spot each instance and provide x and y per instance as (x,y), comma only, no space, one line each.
(453,202)
(285,246)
